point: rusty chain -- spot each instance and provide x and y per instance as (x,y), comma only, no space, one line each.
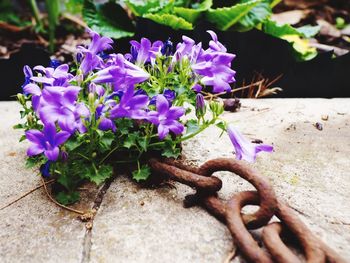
(229,212)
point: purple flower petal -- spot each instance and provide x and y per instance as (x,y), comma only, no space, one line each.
(176,127)
(35,136)
(163,131)
(32,89)
(175,112)
(243,148)
(52,154)
(50,132)
(61,137)
(35,149)
(162,104)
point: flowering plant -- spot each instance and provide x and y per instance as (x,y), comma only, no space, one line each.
(110,109)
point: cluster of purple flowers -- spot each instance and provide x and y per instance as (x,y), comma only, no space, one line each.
(109,87)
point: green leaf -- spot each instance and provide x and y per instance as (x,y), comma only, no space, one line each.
(226,17)
(74,6)
(192,14)
(274,3)
(23,137)
(143,142)
(130,140)
(100,174)
(72,144)
(9,15)
(255,16)
(309,31)
(18,126)
(31,162)
(221,125)
(108,19)
(272,28)
(139,8)
(171,152)
(124,125)
(106,140)
(172,21)
(141,174)
(192,126)
(294,36)
(66,198)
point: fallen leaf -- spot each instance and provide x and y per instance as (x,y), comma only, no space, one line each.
(328,29)
(289,17)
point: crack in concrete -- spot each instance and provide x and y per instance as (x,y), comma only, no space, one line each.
(88,233)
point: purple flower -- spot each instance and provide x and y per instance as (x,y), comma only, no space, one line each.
(90,62)
(212,66)
(98,89)
(35,91)
(197,88)
(214,44)
(59,104)
(122,73)
(98,43)
(102,112)
(130,106)
(54,77)
(243,148)
(45,169)
(27,76)
(216,72)
(91,59)
(143,52)
(168,94)
(184,48)
(46,141)
(54,63)
(167,48)
(166,118)
(200,106)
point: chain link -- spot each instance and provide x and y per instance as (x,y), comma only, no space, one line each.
(229,212)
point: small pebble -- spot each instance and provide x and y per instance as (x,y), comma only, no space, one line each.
(88,225)
(257,141)
(232,105)
(142,203)
(324,117)
(319,126)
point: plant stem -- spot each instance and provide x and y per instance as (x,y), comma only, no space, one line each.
(53,10)
(36,14)
(197,132)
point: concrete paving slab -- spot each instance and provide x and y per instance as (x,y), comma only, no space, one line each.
(32,229)
(310,169)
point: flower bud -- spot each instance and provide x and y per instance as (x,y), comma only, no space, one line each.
(54,63)
(94,154)
(30,119)
(45,169)
(79,57)
(21,98)
(91,99)
(79,78)
(167,48)
(216,107)
(200,106)
(64,156)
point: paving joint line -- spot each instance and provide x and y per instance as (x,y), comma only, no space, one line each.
(86,253)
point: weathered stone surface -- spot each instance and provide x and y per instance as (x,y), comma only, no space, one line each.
(309,169)
(32,229)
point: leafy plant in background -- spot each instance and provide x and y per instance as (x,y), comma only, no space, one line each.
(241,16)
(110,110)
(9,15)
